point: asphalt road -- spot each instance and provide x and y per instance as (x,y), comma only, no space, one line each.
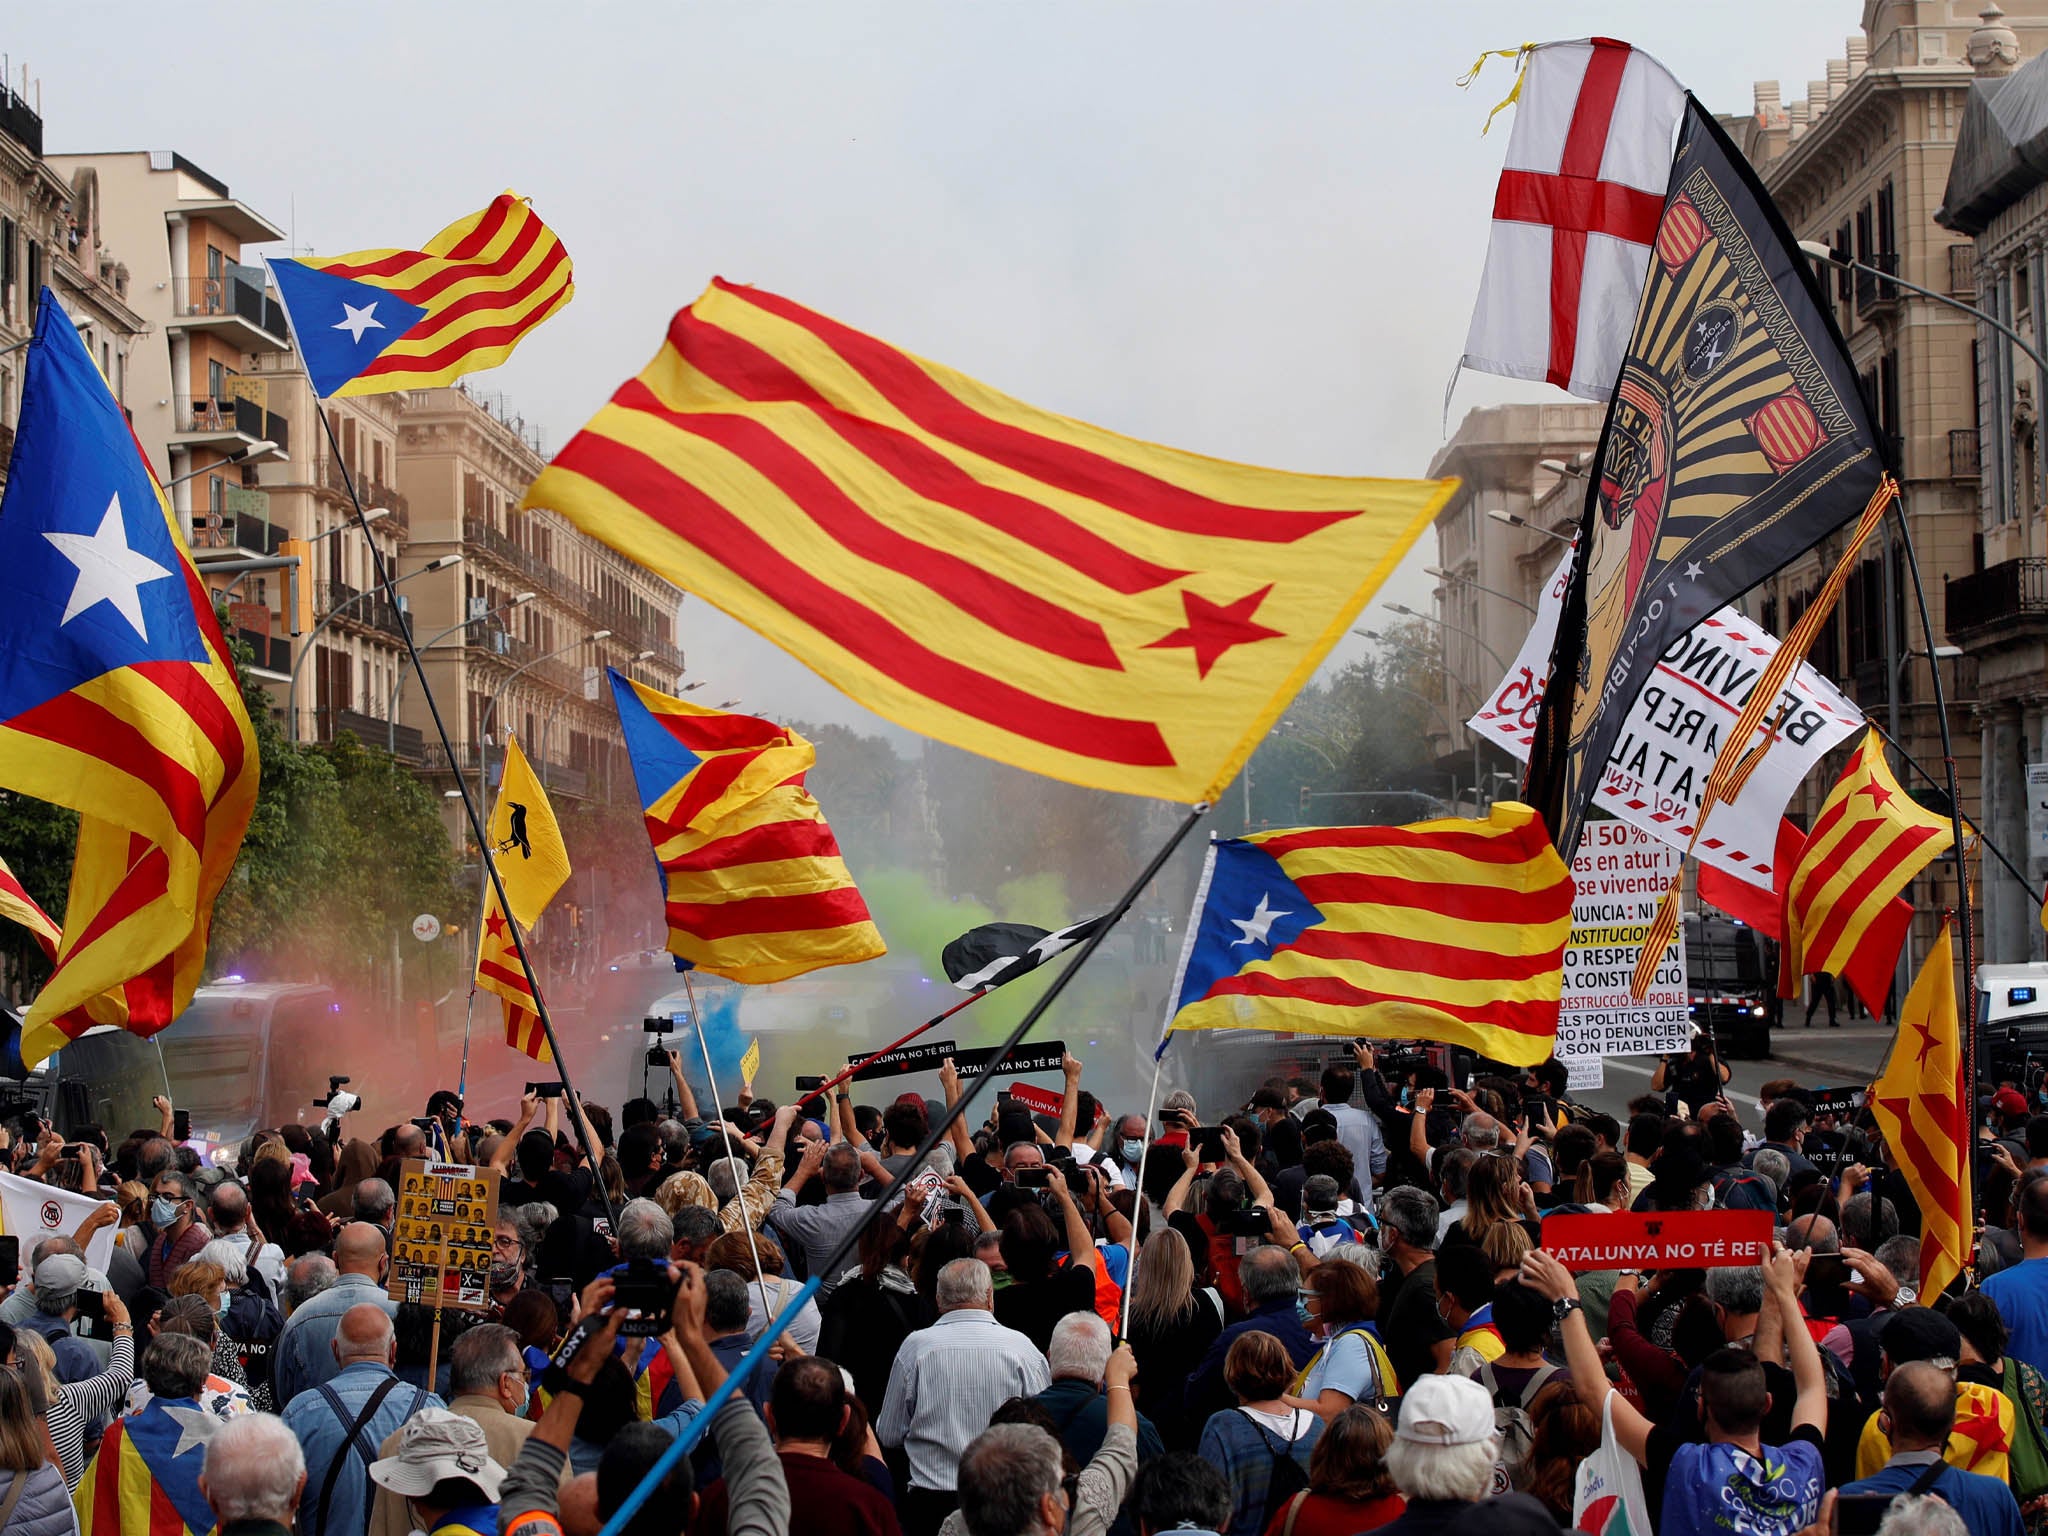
(1814,1058)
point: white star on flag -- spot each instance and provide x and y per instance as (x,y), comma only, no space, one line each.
(356,321)
(1259,924)
(109,570)
(195,1428)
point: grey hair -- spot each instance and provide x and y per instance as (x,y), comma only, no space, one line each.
(1451,1473)
(1737,1288)
(1480,1131)
(481,1356)
(309,1275)
(175,1365)
(1923,1514)
(726,1303)
(1079,1347)
(532,1221)
(1267,1274)
(1005,1472)
(1180,1098)
(725,1184)
(230,1259)
(696,1223)
(964,1283)
(644,1231)
(1866,1223)
(1770,1163)
(373,1200)
(1900,1255)
(1366,1258)
(253,1470)
(1412,1213)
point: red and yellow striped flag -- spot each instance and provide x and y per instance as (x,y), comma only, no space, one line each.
(1017,583)
(1869,840)
(17,906)
(460,303)
(1448,930)
(1920,1107)
(754,886)
(526,842)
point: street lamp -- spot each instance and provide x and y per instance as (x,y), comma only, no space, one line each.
(1574,470)
(1455,629)
(1516,520)
(263,448)
(291,692)
(391,706)
(484,727)
(1477,586)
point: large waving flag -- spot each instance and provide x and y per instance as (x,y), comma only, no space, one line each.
(1444,930)
(117,698)
(526,842)
(144,1480)
(23,910)
(1868,842)
(754,886)
(1016,583)
(1920,1106)
(1737,439)
(373,321)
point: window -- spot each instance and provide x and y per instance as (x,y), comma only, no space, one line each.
(216,380)
(35,273)
(1843,284)
(215,263)
(1887,238)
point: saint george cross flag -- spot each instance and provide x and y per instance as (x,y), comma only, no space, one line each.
(1575,214)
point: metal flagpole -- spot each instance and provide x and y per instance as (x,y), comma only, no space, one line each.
(739,1180)
(694,1430)
(1123,1317)
(1955,810)
(469,806)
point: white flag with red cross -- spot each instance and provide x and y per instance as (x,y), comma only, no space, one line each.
(1575,215)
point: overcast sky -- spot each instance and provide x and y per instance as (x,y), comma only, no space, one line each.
(1253,231)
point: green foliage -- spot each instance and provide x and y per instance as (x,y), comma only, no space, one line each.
(36,839)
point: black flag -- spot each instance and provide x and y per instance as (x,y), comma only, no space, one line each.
(997,953)
(1735,441)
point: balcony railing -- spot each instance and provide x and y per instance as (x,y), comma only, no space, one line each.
(626,629)
(558,777)
(369,609)
(371,732)
(229,296)
(1873,290)
(274,653)
(328,476)
(1962,270)
(220,413)
(1963,461)
(2012,592)
(21,122)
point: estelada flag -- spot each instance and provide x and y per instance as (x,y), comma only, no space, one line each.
(373,321)
(1920,1106)
(117,699)
(1577,208)
(1016,583)
(145,1475)
(1737,438)
(1448,930)
(1840,911)
(753,883)
(526,843)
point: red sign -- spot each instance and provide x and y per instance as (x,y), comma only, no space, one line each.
(1038,1100)
(1658,1239)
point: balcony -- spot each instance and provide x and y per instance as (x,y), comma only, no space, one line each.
(369,610)
(557,778)
(405,742)
(20,121)
(1873,291)
(327,474)
(273,654)
(1962,271)
(229,423)
(2005,602)
(240,312)
(1963,460)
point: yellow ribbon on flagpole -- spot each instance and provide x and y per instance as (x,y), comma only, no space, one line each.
(1520,56)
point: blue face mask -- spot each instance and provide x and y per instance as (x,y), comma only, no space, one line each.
(1132,1150)
(1301,1312)
(162,1212)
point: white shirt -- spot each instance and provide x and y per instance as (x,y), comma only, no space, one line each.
(947,1380)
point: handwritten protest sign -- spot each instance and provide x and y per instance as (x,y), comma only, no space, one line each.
(1619,874)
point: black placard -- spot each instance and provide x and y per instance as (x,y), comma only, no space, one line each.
(1044,1056)
(923,1057)
(1839,1102)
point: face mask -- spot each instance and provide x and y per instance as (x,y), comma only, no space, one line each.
(163,1212)
(1301,1312)
(1133,1150)
(221,1307)
(504,1275)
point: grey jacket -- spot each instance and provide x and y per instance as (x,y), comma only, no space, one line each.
(45,1507)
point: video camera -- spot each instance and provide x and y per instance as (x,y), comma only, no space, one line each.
(646,1294)
(339,1103)
(657,1053)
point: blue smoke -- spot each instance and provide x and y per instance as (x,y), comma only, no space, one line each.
(721,1024)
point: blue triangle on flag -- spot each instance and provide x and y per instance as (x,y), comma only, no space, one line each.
(341,325)
(660,762)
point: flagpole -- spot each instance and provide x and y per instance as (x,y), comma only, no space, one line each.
(1955,810)
(739,1182)
(469,805)
(1123,1316)
(694,1430)
(894,1045)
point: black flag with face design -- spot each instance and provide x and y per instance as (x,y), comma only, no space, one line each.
(1736,440)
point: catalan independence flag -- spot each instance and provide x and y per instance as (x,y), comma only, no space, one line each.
(117,698)
(533,862)
(1868,842)
(144,1479)
(374,321)
(23,910)
(753,884)
(1017,583)
(1448,930)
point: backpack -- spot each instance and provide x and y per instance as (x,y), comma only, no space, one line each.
(1513,1423)
(1289,1476)
(1383,1383)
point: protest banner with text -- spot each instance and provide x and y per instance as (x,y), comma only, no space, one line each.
(1658,1239)
(1619,874)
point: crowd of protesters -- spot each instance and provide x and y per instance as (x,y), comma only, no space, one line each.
(1325,1312)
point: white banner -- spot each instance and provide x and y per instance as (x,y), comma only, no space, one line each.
(32,1212)
(1658,772)
(1619,875)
